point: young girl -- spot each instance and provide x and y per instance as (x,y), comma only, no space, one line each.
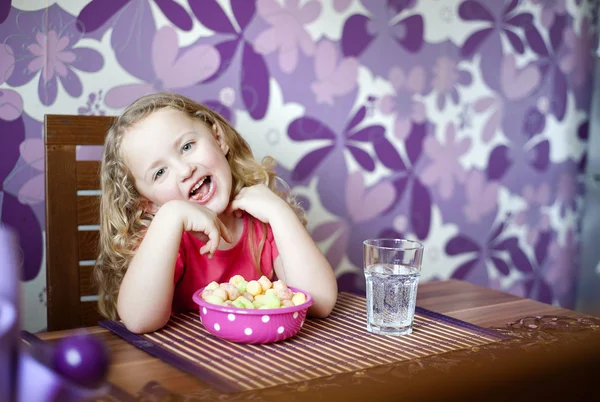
(185,203)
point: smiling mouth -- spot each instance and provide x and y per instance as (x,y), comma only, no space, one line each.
(202,190)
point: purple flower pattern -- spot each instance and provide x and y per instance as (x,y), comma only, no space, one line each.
(387,133)
(287,34)
(534,216)
(579,60)
(50,50)
(482,196)
(550,9)
(32,152)
(503,22)
(367,36)
(97,13)
(333,79)
(403,104)
(445,167)
(447,77)
(363,206)
(170,71)
(562,269)
(309,129)
(493,249)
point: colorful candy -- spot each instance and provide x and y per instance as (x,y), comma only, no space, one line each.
(254,287)
(254,294)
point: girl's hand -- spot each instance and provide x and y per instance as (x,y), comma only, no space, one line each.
(259,201)
(202,222)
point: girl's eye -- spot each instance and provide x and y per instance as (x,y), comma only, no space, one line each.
(159,173)
(186,147)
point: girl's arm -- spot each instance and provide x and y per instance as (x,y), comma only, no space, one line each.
(300,263)
(146,293)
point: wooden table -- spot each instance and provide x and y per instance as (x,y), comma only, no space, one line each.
(132,368)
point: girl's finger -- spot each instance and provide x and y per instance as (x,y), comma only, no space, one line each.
(225,232)
(215,236)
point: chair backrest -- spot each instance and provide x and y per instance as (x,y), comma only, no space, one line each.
(72,219)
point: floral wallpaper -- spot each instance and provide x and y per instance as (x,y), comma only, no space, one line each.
(459,123)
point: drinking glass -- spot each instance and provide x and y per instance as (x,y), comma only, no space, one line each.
(392,270)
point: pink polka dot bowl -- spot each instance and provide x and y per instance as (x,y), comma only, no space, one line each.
(243,325)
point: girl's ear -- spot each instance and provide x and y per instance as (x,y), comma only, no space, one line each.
(220,136)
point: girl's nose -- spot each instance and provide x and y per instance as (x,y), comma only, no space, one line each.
(186,171)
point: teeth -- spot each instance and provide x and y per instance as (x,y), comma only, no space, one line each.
(197,186)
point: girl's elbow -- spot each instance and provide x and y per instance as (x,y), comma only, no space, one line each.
(140,323)
(324,308)
(141,326)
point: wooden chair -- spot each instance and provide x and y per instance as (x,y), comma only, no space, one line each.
(72,219)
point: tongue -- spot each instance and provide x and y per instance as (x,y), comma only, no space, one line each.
(203,190)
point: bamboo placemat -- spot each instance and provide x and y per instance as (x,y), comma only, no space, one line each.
(323,347)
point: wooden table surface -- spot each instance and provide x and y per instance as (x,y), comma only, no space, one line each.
(132,369)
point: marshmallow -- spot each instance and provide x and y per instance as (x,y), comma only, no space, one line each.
(237,303)
(272,301)
(239,282)
(220,293)
(206,293)
(298,298)
(254,294)
(265,282)
(285,293)
(213,299)
(248,295)
(245,302)
(254,287)
(232,292)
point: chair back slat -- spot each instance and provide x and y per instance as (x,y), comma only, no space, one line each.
(88,175)
(90,314)
(87,210)
(87,286)
(72,201)
(88,242)
(74,129)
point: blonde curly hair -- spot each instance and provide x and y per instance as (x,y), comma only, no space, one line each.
(123,218)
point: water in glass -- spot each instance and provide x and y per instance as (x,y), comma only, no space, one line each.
(391,298)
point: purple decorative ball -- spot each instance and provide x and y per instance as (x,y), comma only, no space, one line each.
(83,359)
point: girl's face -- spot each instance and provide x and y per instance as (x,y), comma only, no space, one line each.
(174,157)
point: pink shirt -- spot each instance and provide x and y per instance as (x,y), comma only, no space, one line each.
(193,271)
